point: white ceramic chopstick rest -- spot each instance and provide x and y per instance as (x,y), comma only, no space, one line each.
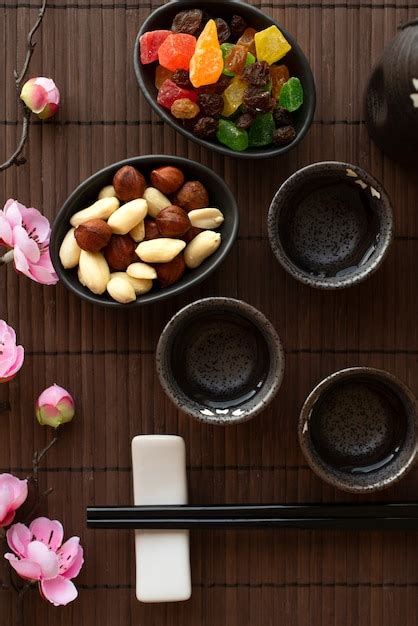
(162,557)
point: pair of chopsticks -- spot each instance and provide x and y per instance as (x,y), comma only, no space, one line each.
(308,516)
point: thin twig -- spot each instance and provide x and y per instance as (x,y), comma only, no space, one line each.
(38,456)
(16,158)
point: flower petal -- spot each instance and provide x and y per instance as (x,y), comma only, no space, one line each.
(76,566)
(6,232)
(12,211)
(24,567)
(18,538)
(36,225)
(50,532)
(28,246)
(68,553)
(59,591)
(21,262)
(47,560)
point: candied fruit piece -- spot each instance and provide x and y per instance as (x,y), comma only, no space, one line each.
(233,96)
(176,51)
(238,25)
(169,92)
(189,22)
(261,130)
(231,136)
(284,135)
(150,43)
(211,104)
(161,74)
(257,100)
(206,64)
(235,59)
(257,74)
(279,76)
(247,40)
(271,45)
(226,49)
(291,95)
(182,79)
(206,127)
(223,30)
(184,109)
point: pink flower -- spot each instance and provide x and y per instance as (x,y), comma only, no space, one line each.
(39,555)
(11,355)
(27,233)
(41,96)
(13,493)
(54,407)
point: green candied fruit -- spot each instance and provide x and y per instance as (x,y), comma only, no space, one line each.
(291,95)
(250,60)
(231,136)
(261,130)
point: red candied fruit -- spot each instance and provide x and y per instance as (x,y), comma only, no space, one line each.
(176,51)
(150,43)
(170,92)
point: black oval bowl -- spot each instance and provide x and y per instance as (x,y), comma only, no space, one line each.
(298,65)
(86,193)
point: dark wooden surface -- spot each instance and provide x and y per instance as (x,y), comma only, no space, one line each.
(107,358)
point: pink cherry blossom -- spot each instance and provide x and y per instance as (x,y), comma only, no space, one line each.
(41,96)
(26,231)
(55,406)
(13,493)
(39,555)
(11,355)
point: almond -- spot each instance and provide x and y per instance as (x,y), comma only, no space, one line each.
(129,184)
(102,209)
(93,235)
(207,219)
(156,201)
(140,285)
(69,251)
(107,192)
(161,250)
(128,216)
(167,179)
(141,270)
(138,232)
(172,221)
(121,290)
(201,247)
(120,252)
(170,273)
(94,271)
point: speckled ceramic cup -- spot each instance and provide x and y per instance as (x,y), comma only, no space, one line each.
(358,429)
(330,225)
(220,361)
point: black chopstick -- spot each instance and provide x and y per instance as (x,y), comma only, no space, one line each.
(323,523)
(264,511)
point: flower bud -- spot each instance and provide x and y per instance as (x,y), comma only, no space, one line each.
(41,96)
(54,407)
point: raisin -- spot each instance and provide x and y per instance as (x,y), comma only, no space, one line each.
(189,22)
(206,127)
(244,121)
(284,135)
(257,100)
(238,25)
(219,87)
(211,104)
(223,30)
(257,74)
(183,108)
(282,117)
(181,78)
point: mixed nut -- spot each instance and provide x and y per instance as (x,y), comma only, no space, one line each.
(136,234)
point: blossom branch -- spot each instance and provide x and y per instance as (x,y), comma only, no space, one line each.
(16,158)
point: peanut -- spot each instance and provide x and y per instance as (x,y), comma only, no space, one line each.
(141,270)
(138,232)
(102,209)
(206,218)
(156,201)
(161,250)
(69,251)
(121,290)
(140,285)
(107,192)
(201,247)
(94,271)
(128,216)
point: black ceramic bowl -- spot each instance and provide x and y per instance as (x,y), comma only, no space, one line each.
(220,197)
(296,61)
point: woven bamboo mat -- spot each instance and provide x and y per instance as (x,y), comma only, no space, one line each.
(107,358)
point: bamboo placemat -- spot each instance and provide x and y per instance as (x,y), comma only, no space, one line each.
(106,358)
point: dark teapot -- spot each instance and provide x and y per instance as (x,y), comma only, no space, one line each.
(391,100)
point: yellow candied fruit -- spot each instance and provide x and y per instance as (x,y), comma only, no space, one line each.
(271,45)
(233,96)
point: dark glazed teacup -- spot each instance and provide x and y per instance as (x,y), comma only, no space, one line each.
(330,225)
(358,429)
(220,360)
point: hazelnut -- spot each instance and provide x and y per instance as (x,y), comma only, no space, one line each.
(170,273)
(191,234)
(129,184)
(192,195)
(120,252)
(172,221)
(167,179)
(93,235)
(151,230)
